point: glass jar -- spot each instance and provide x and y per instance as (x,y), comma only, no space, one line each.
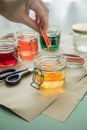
(54,36)
(9,53)
(80,36)
(28,42)
(49,71)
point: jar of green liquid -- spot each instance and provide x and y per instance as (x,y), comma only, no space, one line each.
(54,36)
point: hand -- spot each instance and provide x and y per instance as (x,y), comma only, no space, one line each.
(18,11)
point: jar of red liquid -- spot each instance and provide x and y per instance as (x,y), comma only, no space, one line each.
(8,53)
(28,42)
(49,72)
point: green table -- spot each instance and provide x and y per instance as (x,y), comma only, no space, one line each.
(76,121)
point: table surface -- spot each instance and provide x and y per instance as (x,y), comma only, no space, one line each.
(77,119)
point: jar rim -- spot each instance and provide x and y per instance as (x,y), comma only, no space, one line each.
(80,28)
(7,48)
(49,62)
(28,35)
(7,45)
(53,30)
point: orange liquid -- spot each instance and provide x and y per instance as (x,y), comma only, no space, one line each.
(28,48)
(48,48)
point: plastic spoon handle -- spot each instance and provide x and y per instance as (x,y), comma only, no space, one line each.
(47,41)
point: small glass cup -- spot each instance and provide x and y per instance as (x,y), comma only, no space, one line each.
(54,36)
(80,36)
(28,42)
(9,53)
(49,71)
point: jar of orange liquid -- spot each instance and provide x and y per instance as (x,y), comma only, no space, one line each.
(28,43)
(49,71)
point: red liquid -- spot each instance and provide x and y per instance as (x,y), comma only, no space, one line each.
(28,48)
(7,59)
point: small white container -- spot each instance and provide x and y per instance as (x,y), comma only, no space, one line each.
(80,36)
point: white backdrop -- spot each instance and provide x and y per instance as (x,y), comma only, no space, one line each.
(61,12)
(67,12)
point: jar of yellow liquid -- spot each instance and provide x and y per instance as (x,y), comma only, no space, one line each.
(49,71)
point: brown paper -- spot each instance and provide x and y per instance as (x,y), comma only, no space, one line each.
(28,102)
(23,99)
(75,86)
(85,66)
(66,102)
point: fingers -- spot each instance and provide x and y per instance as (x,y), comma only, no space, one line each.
(30,22)
(45,7)
(43,14)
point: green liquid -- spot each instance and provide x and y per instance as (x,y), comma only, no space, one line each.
(55,41)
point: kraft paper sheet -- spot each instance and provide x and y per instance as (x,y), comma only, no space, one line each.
(75,89)
(74,92)
(28,102)
(23,99)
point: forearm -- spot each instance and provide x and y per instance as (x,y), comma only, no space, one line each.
(1,6)
(4,5)
(7,6)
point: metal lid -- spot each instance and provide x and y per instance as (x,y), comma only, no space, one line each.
(74,61)
(80,28)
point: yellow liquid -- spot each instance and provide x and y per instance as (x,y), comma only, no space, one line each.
(52,79)
(48,48)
